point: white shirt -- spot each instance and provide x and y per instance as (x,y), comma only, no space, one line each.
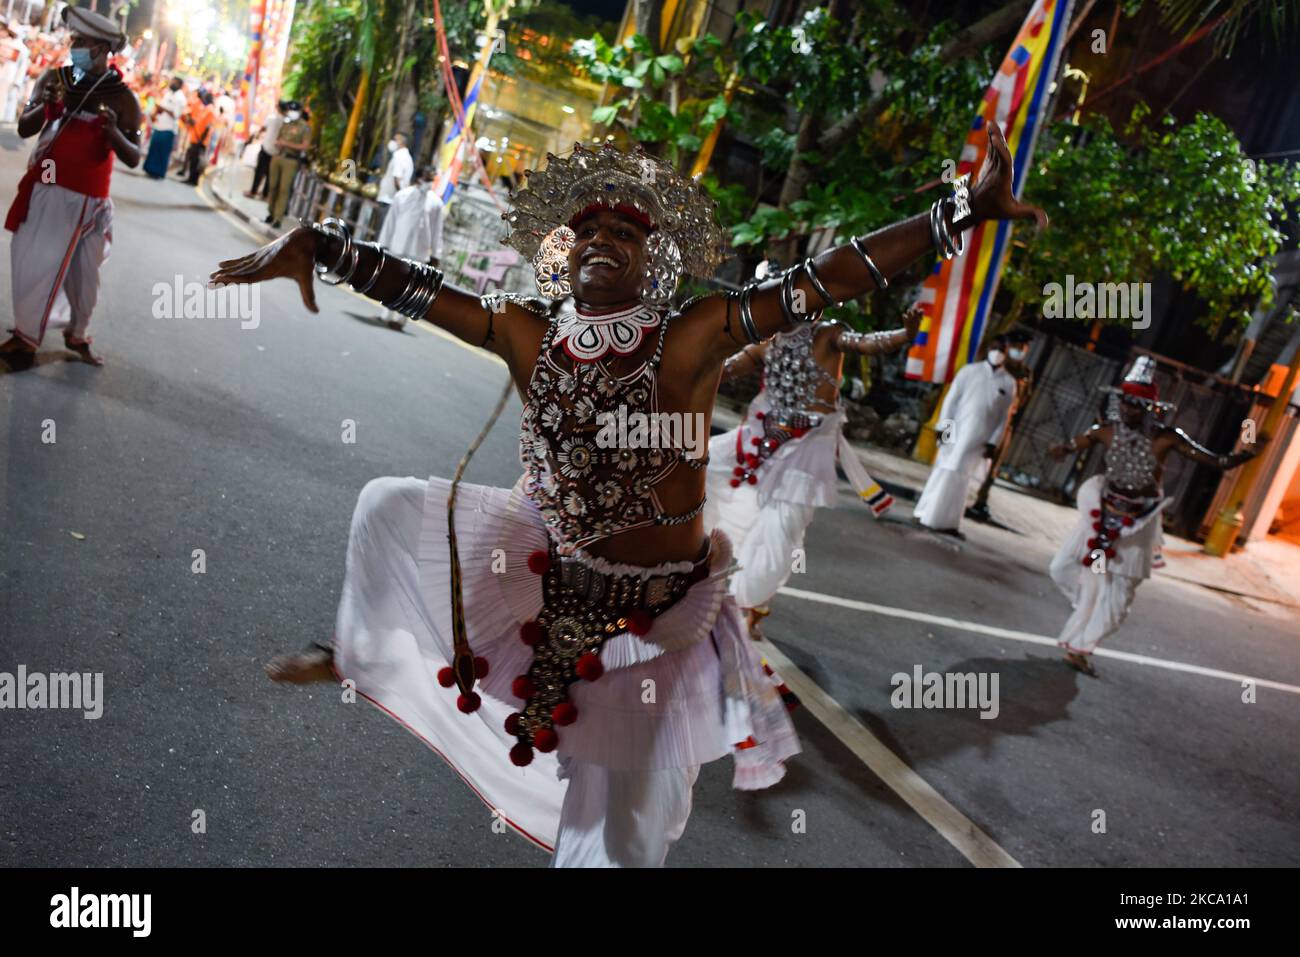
(974,414)
(175,101)
(397,176)
(413,225)
(272,132)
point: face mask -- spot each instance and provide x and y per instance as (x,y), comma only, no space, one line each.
(1017,354)
(292,115)
(82,59)
(392,146)
(996,356)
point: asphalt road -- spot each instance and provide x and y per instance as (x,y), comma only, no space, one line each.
(200,434)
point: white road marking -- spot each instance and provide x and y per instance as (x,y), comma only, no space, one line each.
(1025,636)
(957,829)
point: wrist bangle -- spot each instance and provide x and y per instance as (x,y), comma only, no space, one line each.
(340,230)
(876,275)
(422,288)
(746,317)
(817,283)
(379,267)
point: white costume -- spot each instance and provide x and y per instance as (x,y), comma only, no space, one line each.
(1102,590)
(768,474)
(397,175)
(412,228)
(974,415)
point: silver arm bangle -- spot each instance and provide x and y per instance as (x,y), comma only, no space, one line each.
(349,252)
(422,288)
(877,276)
(787,299)
(817,283)
(746,317)
(379,267)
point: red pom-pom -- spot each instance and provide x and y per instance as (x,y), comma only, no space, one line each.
(589,667)
(468,702)
(1095,513)
(1110,553)
(480,667)
(521,755)
(539,561)
(545,740)
(446,677)
(523,687)
(753,479)
(1088,560)
(1096,526)
(751,460)
(1128,519)
(564,713)
(738,471)
(512,723)
(760,415)
(755,440)
(640,621)
(1092,543)
(735,483)
(530,633)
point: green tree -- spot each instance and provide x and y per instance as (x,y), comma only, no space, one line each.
(1184,200)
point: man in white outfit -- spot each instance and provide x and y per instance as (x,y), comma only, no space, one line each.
(971,423)
(400,167)
(413,229)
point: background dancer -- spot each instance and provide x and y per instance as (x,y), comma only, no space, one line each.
(971,423)
(609,580)
(62,218)
(1109,552)
(768,474)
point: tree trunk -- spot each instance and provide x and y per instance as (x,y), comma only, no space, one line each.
(354,120)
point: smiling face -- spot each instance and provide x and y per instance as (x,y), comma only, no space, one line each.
(607,262)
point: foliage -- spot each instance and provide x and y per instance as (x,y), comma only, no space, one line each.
(1180,199)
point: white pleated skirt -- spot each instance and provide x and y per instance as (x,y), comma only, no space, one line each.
(686,693)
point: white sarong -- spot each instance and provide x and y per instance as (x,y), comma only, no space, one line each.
(766,521)
(1101,599)
(630,759)
(55,257)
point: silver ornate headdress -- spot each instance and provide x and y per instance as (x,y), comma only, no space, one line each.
(678,207)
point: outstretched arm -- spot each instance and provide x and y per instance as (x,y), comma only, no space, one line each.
(374,273)
(1077,444)
(1186,446)
(879,343)
(864,264)
(745,362)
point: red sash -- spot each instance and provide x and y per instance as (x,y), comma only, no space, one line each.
(83,163)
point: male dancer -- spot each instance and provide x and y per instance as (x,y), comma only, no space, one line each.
(768,474)
(553,607)
(62,218)
(1109,552)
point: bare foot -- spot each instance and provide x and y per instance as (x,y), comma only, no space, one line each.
(83,349)
(303,667)
(752,618)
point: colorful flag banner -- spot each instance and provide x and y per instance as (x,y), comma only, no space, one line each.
(958,295)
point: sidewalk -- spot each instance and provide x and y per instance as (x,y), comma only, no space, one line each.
(226,185)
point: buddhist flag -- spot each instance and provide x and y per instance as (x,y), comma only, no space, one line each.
(453,147)
(958,295)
